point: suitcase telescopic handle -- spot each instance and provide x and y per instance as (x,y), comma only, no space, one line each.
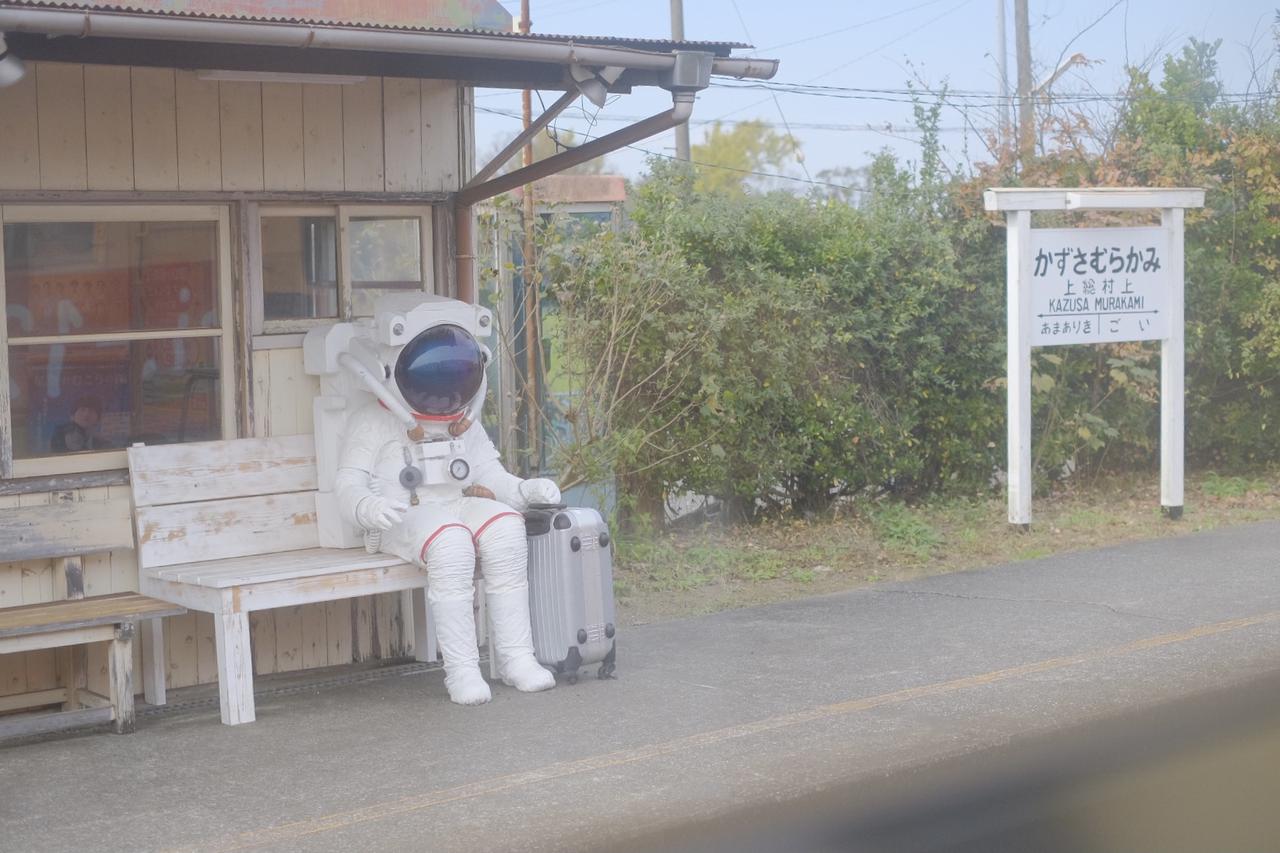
(537,518)
(556,507)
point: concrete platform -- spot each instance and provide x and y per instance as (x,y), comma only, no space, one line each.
(707,717)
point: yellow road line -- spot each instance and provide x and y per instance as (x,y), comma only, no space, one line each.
(419,802)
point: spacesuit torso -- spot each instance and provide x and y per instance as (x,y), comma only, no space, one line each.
(377,442)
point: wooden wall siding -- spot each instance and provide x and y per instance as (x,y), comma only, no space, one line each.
(19,134)
(322,137)
(71,127)
(155,128)
(441,133)
(362,154)
(60,119)
(241,117)
(199,131)
(109,123)
(282,153)
(402,135)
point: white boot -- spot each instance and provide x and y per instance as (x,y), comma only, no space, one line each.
(513,644)
(455,624)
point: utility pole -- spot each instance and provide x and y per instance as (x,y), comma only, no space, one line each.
(1026,107)
(529,273)
(677,34)
(1002,66)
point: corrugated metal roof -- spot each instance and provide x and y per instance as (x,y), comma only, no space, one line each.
(482,14)
(263,14)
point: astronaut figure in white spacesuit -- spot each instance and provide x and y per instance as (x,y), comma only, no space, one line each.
(417,475)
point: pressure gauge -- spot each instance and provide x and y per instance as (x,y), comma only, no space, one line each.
(459,469)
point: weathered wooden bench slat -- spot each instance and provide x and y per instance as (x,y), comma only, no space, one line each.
(310,562)
(55,722)
(246,538)
(223,529)
(212,470)
(82,613)
(64,530)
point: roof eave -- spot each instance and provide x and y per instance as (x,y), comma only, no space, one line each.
(93,29)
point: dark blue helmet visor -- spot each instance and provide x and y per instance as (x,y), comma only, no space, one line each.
(440,371)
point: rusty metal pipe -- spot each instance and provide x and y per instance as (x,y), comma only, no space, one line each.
(678,114)
(519,142)
(465,266)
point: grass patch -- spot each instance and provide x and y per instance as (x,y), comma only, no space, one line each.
(668,575)
(1218,486)
(905,530)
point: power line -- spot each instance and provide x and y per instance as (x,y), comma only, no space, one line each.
(777,103)
(858,25)
(844,65)
(892,42)
(752,172)
(562,11)
(887,127)
(909,95)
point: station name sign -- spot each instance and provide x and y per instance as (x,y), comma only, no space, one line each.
(1099,285)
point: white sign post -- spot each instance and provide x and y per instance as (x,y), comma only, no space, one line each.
(1093,286)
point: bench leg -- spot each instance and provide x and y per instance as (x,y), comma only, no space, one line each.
(235,667)
(153,661)
(73,672)
(122,678)
(484,636)
(424,633)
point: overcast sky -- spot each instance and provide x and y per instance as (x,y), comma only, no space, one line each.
(883,45)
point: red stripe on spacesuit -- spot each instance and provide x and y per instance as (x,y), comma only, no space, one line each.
(421,417)
(476,536)
(422,555)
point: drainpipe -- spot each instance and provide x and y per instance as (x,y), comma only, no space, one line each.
(681,109)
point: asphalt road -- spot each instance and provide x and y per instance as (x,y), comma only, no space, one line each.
(709,717)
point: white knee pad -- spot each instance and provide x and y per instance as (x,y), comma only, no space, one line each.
(450,560)
(504,555)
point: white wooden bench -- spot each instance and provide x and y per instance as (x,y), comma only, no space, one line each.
(66,532)
(229,527)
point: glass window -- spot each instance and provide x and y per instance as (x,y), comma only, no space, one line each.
(113,330)
(66,278)
(386,256)
(77,398)
(299,267)
(322,263)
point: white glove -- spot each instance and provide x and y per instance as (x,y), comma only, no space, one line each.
(378,513)
(539,490)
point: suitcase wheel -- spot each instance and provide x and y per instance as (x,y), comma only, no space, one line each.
(608,665)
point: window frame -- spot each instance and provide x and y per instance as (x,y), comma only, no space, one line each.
(270,334)
(109,460)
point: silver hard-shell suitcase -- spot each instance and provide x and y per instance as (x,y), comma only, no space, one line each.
(571,590)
